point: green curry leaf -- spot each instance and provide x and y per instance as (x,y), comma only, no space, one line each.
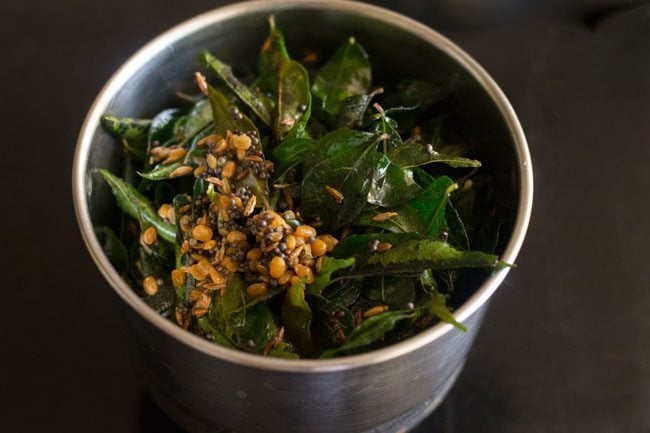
(370,330)
(347,73)
(257,102)
(330,265)
(296,318)
(342,160)
(137,206)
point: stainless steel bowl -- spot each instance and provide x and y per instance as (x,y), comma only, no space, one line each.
(205,387)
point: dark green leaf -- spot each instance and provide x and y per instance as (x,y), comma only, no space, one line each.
(352,111)
(257,102)
(214,334)
(133,133)
(272,54)
(396,292)
(407,220)
(162,127)
(133,130)
(370,330)
(163,300)
(296,318)
(331,323)
(345,293)
(293,106)
(413,154)
(419,255)
(113,248)
(391,185)
(227,116)
(431,204)
(199,117)
(346,74)
(358,244)
(330,265)
(138,206)
(291,151)
(249,328)
(457,232)
(343,160)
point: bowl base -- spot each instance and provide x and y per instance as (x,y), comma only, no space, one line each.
(402,424)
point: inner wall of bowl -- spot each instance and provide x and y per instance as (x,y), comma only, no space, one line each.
(395,54)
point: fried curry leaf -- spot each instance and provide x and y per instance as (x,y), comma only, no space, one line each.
(293,106)
(352,111)
(437,306)
(330,265)
(342,161)
(257,102)
(347,73)
(137,206)
(370,330)
(272,54)
(213,333)
(291,151)
(332,322)
(249,328)
(113,248)
(431,204)
(396,292)
(161,130)
(296,318)
(227,116)
(419,255)
(391,185)
(413,154)
(163,300)
(133,133)
(359,244)
(198,118)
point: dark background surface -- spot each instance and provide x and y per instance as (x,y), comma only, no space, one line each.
(566,344)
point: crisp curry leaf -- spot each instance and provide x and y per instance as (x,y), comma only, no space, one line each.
(347,73)
(257,102)
(137,206)
(370,330)
(293,106)
(296,318)
(330,265)
(391,185)
(343,161)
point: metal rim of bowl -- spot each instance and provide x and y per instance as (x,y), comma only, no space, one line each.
(126,293)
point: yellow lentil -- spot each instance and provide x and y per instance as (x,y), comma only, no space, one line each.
(318,248)
(277,266)
(254,254)
(290,240)
(235,237)
(286,277)
(149,236)
(202,233)
(150,285)
(178,277)
(181,171)
(241,141)
(305,231)
(228,169)
(256,290)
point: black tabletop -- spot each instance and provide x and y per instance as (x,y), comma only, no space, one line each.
(566,344)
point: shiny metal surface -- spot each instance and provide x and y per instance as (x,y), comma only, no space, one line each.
(206,386)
